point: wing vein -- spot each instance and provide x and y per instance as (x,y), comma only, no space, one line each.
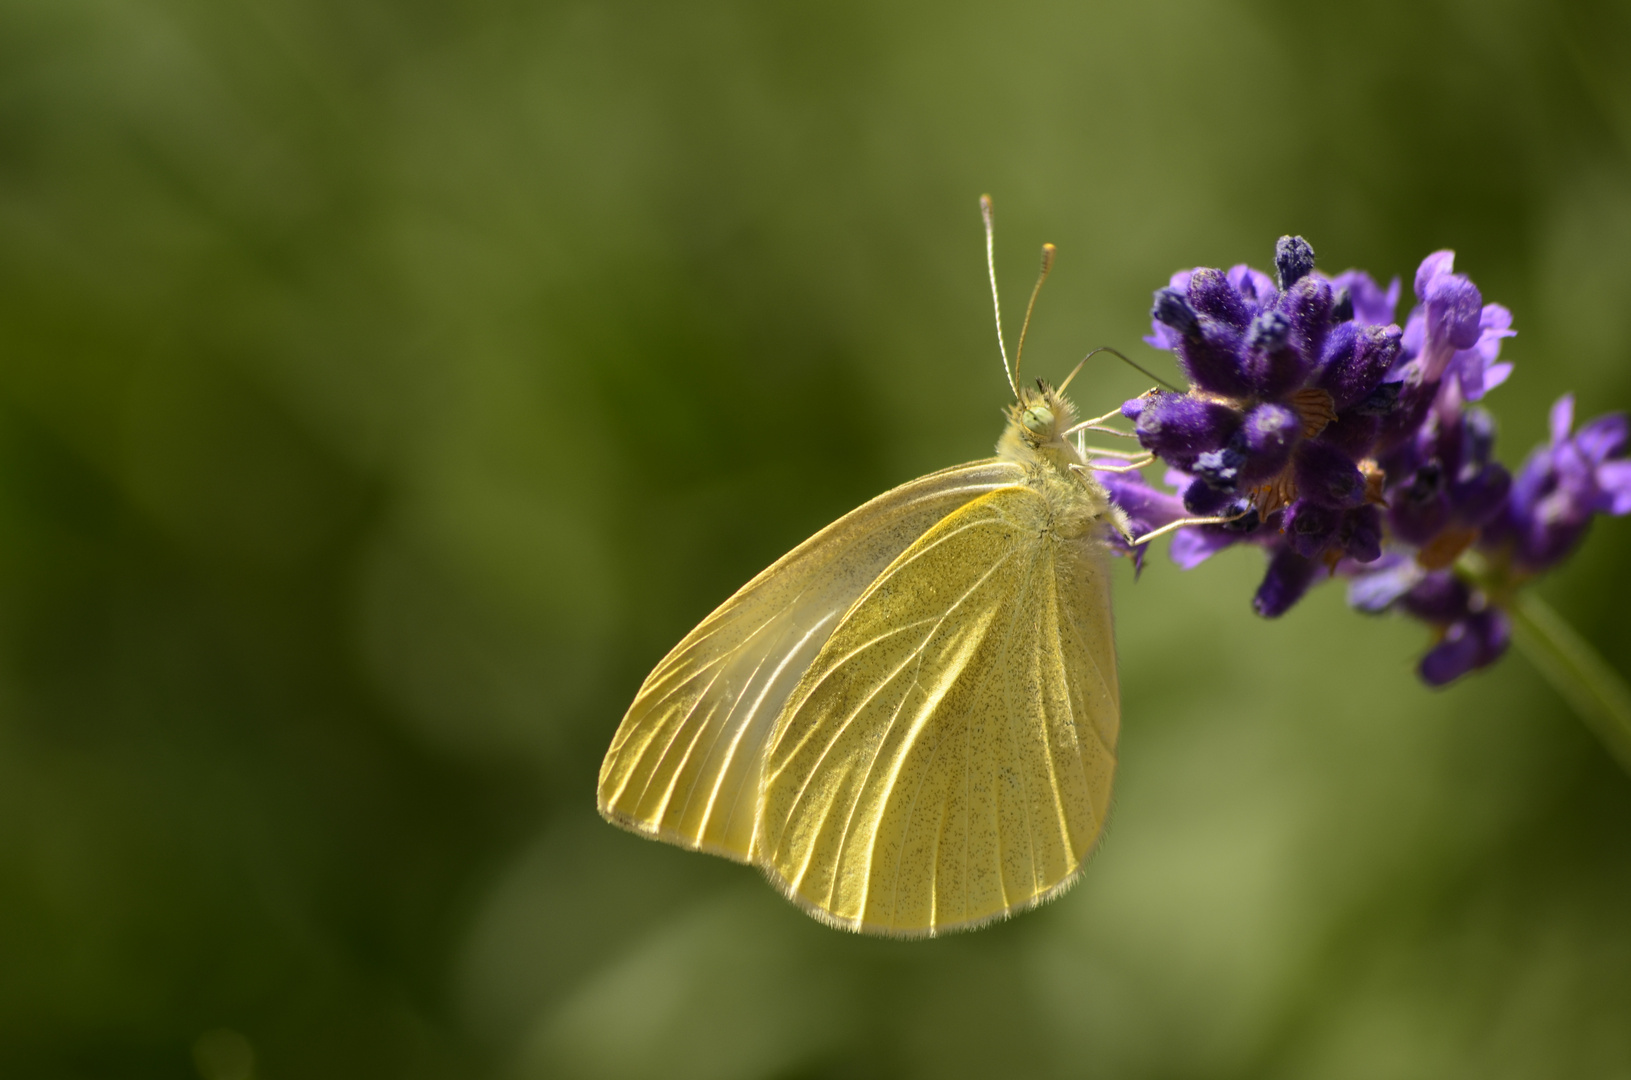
(843,725)
(1013,730)
(736,742)
(645,750)
(1047,740)
(741,728)
(915,654)
(901,565)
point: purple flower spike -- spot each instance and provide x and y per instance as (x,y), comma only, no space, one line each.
(1288,577)
(1272,362)
(1354,433)
(1342,306)
(1338,352)
(1474,642)
(1331,437)
(1194,545)
(1270,331)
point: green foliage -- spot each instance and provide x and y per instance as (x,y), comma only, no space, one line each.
(385,387)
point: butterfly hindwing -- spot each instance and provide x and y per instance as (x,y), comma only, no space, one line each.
(684,765)
(947,758)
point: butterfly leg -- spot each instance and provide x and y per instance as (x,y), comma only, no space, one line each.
(1172,526)
(1131,466)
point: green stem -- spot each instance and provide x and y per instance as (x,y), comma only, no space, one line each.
(1576,671)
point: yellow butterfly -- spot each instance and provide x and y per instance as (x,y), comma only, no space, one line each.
(909,721)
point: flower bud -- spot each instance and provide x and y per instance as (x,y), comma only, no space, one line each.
(1472,643)
(1171,308)
(1293,260)
(1178,427)
(1267,436)
(1211,295)
(1327,476)
(1288,577)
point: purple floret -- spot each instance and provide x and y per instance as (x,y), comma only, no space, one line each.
(1287,579)
(1371,306)
(1178,427)
(1162,336)
(1452,331)
(1356,361)
(1475,368)
(1146,508)
(1376,588)
(1468,644)
(1268,435)
(1562,487)
(1449,313)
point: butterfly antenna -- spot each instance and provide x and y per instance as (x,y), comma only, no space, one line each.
(996,304)
(1120,356)
(1042,275)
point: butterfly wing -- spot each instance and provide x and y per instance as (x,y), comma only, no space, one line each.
(947,758)
(684,765)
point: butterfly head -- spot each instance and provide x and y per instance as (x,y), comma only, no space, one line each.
(1040,417)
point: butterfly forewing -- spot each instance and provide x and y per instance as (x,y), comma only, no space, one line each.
(948,756)
(685,764)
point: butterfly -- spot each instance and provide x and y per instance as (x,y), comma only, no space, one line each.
(909,721)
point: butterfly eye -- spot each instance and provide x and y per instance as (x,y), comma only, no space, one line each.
(1038,419)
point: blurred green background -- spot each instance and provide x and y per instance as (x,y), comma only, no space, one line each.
(384,387)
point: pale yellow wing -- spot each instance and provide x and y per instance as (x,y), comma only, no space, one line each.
(684,765)
(947,758)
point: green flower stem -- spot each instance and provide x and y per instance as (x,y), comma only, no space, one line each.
(1576,671)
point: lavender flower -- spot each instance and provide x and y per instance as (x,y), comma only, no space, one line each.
(1561,488)
(1340,443)
(1285,402)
